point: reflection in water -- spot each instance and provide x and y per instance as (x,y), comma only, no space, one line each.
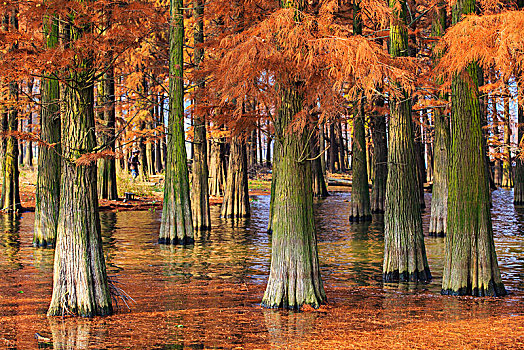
(10,239)
(206,295)
(288,327)
(74,334)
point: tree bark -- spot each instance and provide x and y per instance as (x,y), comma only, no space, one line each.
(441,146)
(470,265)
(404,251)
(107,186)
(177,221)
(217,168)
(360,209)
(236,197)
(200,173)
(28,157)
(47,196)
(80,283)
(10,199)
(294,278)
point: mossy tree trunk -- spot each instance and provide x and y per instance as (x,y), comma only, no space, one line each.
(10,199)
(47,196)
(470,266)
(236,196)
(404,251)
(360,209)
(441,146)
(80,284)
(177,221)
(294,278)
(107,186)
(200,173)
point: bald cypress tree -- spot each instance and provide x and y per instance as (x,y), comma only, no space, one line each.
(404,251)
(294,278)
(80,284)
(470,266)
(47,196)
(177,222)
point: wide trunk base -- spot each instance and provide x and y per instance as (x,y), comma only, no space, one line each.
(492,290)
(415,276)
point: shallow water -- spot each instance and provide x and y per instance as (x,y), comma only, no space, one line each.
(207,295)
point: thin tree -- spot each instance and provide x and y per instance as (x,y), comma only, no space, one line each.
(200,176)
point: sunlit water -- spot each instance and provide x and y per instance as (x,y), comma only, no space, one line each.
(175,288)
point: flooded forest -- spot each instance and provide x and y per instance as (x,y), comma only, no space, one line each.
(262,174)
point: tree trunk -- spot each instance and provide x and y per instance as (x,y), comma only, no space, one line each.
(294,278)
(470,265)
(236,197)
(333,151)
(507,167)
(268,147)
(177,221)
(420,163)
(441,146)
(200,179)
(217,168)
(29,145)
(47,195)
(80,284)
(360,209)
(518,190)
(404,251)
(107,186)
(380,148)
(10,199)
(518,198)
(319,182)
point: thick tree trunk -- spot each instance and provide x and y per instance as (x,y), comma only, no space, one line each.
(177,221)
(200,172)
(420,163)
(47,196)
(404,251)
(294,278)
(10,199)
(360,209)
(470,266)
(80,283)
(107,186)
(236,197)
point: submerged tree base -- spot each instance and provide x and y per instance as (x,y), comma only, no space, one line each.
(43,243)
(364,218)
(180,241)
(493,290)
(416,276)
